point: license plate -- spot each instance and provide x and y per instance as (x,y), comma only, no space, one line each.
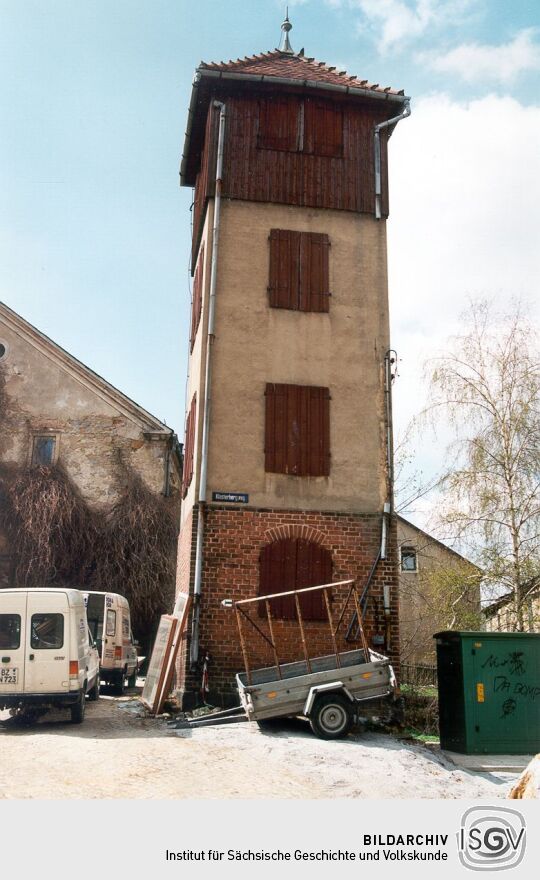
(9,675)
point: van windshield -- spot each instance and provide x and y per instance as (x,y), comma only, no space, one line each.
(10,631)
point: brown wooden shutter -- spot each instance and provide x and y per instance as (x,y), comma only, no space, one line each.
(189,447)
(284,276)
(294,564)
(299,270)
(279,124)
(314,272)
(196,306)
(323,129)
(297,430)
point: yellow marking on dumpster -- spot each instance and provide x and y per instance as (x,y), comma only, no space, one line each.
(480,692)
(367,674)
(478,644)
(271,695)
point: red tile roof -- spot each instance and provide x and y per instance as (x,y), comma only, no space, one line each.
(298,67)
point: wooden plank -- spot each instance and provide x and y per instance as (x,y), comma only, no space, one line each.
(157,666)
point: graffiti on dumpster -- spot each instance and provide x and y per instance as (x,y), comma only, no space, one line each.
(514,661)
(508,708)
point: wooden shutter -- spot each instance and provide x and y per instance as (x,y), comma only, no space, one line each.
(323,129)
(294,564)
(297,430)
(284,276)
(299,273)
(279,124)
(196,305)
(189,447)
(314,275)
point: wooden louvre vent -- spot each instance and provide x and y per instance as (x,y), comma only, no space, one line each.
(293,564)
(196,306)
(299,274)
(187,475)
(297,430)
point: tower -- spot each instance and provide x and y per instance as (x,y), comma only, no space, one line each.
(287,472)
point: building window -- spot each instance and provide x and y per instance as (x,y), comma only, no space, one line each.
(189,447)
(196,306)
(297,430)
(3,349)
(44,450)
(408,559)
(299,276)
(301,125)
(294,564)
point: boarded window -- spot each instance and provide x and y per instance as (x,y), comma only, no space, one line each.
(299,276)
(297,430)
(189,447)
(196,305)
(294,564)
(43,451)
(323,129)
(279,124)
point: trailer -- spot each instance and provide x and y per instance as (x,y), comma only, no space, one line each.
(329,691)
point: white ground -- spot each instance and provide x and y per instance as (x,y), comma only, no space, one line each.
(119,753)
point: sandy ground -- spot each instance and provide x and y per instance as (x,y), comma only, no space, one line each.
(119,753)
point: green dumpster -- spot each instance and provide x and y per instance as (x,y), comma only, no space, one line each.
(489,692)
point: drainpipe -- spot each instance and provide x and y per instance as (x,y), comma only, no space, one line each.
(389,359)
(378,187)
(194,649)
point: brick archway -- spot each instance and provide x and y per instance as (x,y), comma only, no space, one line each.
(306,533)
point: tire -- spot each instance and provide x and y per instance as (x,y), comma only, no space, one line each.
(93,694)
(119,684)
(77,711)
(331,716)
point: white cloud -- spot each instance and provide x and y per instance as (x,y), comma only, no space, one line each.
(473,61)
(400,21)
(465,214)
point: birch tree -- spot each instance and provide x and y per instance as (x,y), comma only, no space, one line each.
(488,386)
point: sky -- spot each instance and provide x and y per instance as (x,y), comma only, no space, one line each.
(95,230)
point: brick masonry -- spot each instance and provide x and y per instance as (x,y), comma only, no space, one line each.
(232,544)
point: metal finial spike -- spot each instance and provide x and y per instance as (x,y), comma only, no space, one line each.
(285,45)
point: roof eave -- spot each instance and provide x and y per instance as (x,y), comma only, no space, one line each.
(353,91)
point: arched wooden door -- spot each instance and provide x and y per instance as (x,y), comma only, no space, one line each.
(292,564)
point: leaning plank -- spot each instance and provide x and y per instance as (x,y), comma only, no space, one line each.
(181,609)
(157,667)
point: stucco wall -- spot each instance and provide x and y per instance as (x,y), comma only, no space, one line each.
(42,395)
(254,344)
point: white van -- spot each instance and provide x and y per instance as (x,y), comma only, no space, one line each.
(47,657)
(110,624)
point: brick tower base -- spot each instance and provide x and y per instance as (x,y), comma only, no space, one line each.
(233,539)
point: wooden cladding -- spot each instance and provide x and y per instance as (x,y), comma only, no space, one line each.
(334,169)
(294,564)
(297,430)
(189,446)
(196,304)
(299,270)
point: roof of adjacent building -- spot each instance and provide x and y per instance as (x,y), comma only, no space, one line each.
(81,372)
(300,67)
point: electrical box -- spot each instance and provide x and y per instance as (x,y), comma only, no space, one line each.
(489,692)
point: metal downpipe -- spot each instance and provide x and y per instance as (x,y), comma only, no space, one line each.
(377,139)
(194,646)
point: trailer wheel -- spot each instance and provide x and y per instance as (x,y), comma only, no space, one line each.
(77,711)
(331,716)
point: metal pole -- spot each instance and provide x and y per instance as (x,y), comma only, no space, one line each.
(302,634)
(243,645)
(331,622)
(271,629)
